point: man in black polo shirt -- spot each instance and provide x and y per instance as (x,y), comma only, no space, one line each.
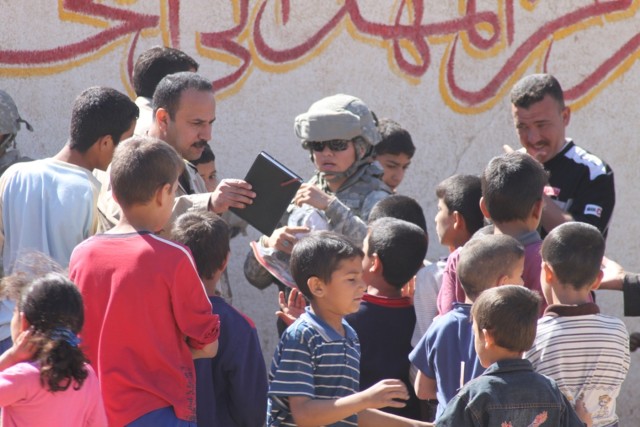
(581,186)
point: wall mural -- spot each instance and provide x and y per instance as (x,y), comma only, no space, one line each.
(408,38)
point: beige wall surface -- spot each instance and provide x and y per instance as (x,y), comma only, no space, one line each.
(443,69)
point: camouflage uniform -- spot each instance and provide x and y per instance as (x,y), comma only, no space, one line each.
(347,214)
(335,117)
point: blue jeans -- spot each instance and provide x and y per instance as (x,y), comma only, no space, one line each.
(163,417)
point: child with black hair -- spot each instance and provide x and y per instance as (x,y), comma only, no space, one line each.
(231,388)
(512,190)
(314,377)
(571,259)
(394,251)
(510,392)
(44,377)
(394,152)
(445,356)
(206,166)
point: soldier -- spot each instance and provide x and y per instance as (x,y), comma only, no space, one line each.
(339,132)
(9,126)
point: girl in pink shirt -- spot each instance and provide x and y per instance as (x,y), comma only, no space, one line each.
(44,377)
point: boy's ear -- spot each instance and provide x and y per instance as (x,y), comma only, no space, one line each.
(596,283)
(549,274)
(489,340)
(162,194)
(536,211)
(458,221)
(376,267)
(104,142)
(225,262)
(483,208)
(316,286)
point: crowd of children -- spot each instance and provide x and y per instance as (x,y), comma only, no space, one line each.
(502,332)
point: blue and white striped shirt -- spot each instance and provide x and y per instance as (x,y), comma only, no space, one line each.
(313,360)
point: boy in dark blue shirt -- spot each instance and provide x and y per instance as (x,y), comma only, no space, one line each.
(393,253)
(231,388)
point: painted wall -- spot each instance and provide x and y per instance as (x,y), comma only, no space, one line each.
(443,69)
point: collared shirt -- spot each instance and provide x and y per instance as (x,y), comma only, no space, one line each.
(446,353)
(510,393)
(586,353)
(313,360)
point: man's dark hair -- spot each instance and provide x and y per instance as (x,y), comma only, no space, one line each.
(395,139)
(400,207)
(318,255)
(511,185)
(533,88)
(574,250)
(485,259)
(140,166)
(400,246)
(207,236)
(154,64)
(206,157)
(170,88)
(98,112)
(510,313)
(462,193)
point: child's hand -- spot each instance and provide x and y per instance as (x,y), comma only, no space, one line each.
(583,414)
(385,393)
(23,349)
(293,308)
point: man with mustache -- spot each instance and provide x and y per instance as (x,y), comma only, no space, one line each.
(581,186)
(184,110)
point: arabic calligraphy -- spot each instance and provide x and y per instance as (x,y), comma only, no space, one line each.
(265,34)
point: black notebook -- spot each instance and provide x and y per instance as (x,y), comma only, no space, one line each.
(274,185)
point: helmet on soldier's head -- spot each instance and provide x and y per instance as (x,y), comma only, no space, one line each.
(340,117)
(9,119)
(337,117)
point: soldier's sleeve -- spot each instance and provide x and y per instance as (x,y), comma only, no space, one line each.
(342,220)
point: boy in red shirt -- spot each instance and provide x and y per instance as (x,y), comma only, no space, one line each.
(146,311)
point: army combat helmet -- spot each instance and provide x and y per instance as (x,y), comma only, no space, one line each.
(10,121)
(340,117)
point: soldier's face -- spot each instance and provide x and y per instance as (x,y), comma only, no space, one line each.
(330,161)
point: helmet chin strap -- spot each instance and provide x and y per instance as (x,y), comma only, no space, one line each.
(363,153)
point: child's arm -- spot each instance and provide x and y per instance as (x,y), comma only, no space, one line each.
(425,387)
(22,349)
(208,351)
(308,412)
(375,418)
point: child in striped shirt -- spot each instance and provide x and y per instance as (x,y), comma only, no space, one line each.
(585,352)
(314,378)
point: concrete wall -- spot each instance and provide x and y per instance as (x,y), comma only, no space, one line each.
(442,69)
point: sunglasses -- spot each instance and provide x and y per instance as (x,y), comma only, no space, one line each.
(334,145)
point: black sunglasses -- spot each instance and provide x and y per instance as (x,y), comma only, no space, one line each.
(334,145)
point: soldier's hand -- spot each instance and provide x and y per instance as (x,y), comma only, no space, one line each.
(313,196)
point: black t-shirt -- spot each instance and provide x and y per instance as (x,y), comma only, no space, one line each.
(582,185)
